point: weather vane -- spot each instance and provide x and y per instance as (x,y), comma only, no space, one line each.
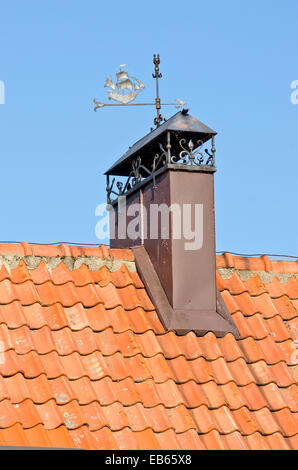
(127,88)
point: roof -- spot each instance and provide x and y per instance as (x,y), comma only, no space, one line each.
(179,122)
(87,363)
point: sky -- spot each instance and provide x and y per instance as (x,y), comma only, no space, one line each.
(232,62)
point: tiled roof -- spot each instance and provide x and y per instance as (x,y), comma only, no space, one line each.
(86,363)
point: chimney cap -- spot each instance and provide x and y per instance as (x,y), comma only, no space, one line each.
(179,122)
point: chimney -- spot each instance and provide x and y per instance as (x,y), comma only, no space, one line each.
(163,207)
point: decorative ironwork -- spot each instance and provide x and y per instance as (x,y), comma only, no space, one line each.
(137,174)
(192,155)
(126,89)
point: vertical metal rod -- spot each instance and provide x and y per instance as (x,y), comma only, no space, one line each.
(107,189)
(157,102)
(157,75)
(169,147)
(142,219)
(213,150)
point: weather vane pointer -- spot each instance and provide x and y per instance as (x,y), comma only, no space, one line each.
(126,89)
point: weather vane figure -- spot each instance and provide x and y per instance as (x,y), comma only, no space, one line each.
(126,89)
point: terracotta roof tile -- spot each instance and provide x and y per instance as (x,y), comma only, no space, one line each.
(193,394)
(242,324)
(18,275)
(188,440)
(278,373)
(4,272)
(158,368)
(3,389)
(262,373)
(39,275)
(286,308)
(278,329)
(276,289)
(230,348)
(20,389)
(213,440)
(14,436)
(258,326)
(204,419)
(234,284)
(225,419)
(127,439)
(235,441)
(292,326)
(241,372)
(246,421)
(82,438)
(63,390)
(266,421)
(230,302)
(214,395)
(265,349)
(154,322)
(292,287)
(55,316)
(167,393)
(39,437)
(290,397)
(252,397)
(8,415)
(293,442)
(86,363)
(184,370)
(277,442)
(273,396)
(248,305)
(12,315)
(256,441)
(140,320)
(255,285)
(233,395)
(265,305)
(147,439)
(187,345)
(287,421)
(27,413)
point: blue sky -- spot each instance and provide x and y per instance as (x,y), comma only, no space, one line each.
(232,62)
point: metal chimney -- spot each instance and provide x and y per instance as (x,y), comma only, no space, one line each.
(163,207)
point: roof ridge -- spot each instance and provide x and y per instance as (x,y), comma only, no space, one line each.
(13,252)
(260,263)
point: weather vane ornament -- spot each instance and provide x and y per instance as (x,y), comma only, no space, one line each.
(126,89)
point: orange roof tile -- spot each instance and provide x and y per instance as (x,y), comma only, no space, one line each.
(85,361)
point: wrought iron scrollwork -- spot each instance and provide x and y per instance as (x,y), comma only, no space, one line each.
(190,155)
(194,155)
(138,172)
(159,161)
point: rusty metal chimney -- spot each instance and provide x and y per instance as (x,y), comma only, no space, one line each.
(164,210)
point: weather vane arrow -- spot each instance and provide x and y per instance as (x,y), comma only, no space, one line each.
(126,89)
(178,104)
